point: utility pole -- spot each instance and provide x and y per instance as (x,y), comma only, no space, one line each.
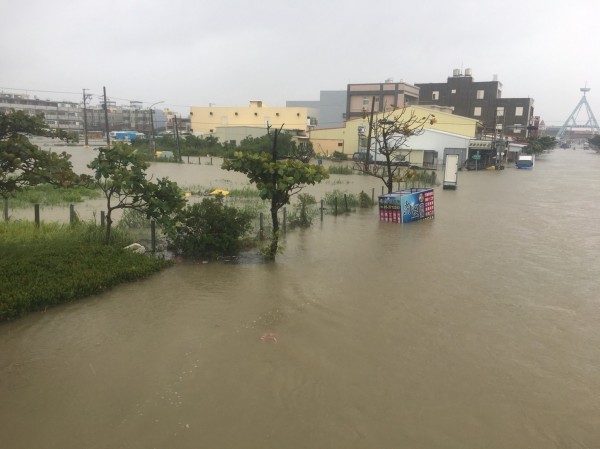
(153,138)
(106,121)
(367,155)
(85,125)
(152,126)
(177,136)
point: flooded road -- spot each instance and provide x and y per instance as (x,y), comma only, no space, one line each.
(480,328)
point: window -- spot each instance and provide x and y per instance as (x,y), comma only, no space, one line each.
(340,144)
(435,95)
(477,112)
(500,111)
(517,128)
(480,94)
(519,111)
(453,91)
(366,102)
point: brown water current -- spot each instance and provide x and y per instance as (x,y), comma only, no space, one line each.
(479,329)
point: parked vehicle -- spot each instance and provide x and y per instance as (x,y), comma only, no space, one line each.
(525,161)
(126,136)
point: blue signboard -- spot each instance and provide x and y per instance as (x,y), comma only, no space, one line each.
(407,206)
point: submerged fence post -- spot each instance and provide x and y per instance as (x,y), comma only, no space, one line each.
(102,217)
(71,214)
(153,236)
(335,206)
(322,207)
(5,209)
(346,202)
(36,209)
(373,194)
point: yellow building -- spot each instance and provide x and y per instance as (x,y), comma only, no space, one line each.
(346,139)
(206,120)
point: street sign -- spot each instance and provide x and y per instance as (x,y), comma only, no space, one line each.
(476,157)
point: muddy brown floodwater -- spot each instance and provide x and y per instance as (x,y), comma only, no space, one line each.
(477,329)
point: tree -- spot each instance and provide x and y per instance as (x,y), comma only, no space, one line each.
(537,145)
(287,148)
(276,179)
(120,173)
(595,141)
(389,134)
(23,163)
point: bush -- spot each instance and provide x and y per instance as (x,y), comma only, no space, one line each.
(365,200)
(340,170)
(346,202)
(302,214)
(210,229)
(338,155)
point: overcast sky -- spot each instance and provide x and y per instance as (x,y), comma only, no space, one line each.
(228,52)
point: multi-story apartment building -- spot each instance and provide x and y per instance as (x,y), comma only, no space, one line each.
(71,116)
(58,114)
(481,100)
(387,95)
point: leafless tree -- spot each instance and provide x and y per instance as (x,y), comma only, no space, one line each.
(386,158)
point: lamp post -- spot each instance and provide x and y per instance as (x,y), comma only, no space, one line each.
(152,127)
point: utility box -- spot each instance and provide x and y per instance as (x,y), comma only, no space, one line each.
(407,205)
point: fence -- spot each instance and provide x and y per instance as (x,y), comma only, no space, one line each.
(339,205)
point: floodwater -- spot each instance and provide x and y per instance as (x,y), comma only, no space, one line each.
(479,329)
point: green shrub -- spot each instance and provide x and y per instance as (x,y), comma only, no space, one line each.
(340,170)
(303,213)
(210,229)
(346,202)
(340,156)
(365,200)
(133,219)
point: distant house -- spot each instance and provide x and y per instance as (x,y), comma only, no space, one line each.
(352,137)
(206,120)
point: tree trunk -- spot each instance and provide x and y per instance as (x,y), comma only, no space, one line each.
(108,227)
(390,182)
(275,235)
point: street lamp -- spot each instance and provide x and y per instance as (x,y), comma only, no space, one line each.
(152,127)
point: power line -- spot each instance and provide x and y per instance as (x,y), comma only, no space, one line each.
(43,91)
(98,96)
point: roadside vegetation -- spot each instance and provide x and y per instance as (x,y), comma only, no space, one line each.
(537,145)
(47,264)
(49,195)
(54,264)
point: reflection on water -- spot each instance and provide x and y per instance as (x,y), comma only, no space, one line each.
(476,329)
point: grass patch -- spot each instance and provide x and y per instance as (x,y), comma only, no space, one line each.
(54,264)
(48,195)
